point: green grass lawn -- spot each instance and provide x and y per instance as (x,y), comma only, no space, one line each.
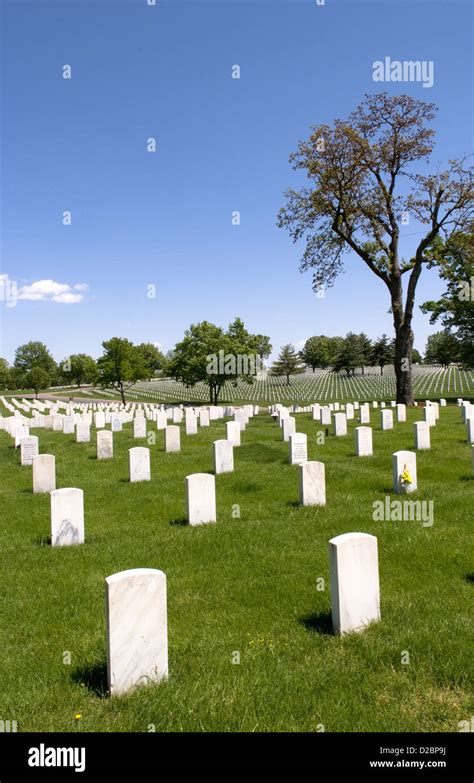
(246,584)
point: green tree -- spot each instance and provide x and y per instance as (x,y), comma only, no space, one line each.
(365,173)
(263,346)
(455,309)
(317,352)
(37,379)
(442,348)
(365,350)
(152,357)
(30,356)
(416,358)
(212,356)
(382,352)
(351,355)
(79,368)
(4,374)
(288,363)
(121,365)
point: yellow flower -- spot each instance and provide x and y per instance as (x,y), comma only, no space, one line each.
(405,477)
(77,716)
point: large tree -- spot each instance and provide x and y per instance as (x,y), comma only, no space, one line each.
(4,373)
(210,355)
(38,379)
(352,354)
(442,348)
(383,351)
(316,352)
(79,368)
(153,358)
(455,308)
(288,363)
(121,365)
(30,356)
(365,173)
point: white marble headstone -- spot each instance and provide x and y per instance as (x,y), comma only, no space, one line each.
(354,578)
(312,484)
(401,461)
(200,498)
(105,444)
(29,448)
(233,432)
(172,438)
(223,456)
(364,446)
(298,448)
(137,629)
(44,473)
(139,464)
(67,517)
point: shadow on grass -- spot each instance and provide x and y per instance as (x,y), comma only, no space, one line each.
(318,622)
(469,578)
(93,677)
(467,477)
(180,522)
(40,541)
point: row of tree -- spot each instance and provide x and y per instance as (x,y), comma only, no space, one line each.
(207,353)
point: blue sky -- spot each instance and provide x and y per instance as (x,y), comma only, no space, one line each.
(163,219)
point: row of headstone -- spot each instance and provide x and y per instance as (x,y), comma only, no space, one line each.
(137,614)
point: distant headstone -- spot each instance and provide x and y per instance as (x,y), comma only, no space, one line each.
(430,416)
(298,448)
(364,446)
(325,415)
(172,438)
(105,444)
(240,416)
(29,448)
(99,420)
(349,411)
(44,473)
(386,417)
(422,435)
(116,424)
(204,418)
(223,456)
(340,424)
(139,427)
(233,432)
(68,425)
(288,428)
(67,517)
(137,629)
(190,425)
(364,413)
(401,412)
(404,472)
(83,433)
(312,484)
(139,464)
(200,498)
(354,579)
(161,420)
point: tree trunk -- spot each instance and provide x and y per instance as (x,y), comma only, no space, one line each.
(403,356)
(122,394)
(381,369)
(287,380)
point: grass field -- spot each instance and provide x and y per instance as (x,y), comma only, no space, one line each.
(246,585)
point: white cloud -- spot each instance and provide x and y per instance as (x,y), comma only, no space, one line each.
(51,291)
